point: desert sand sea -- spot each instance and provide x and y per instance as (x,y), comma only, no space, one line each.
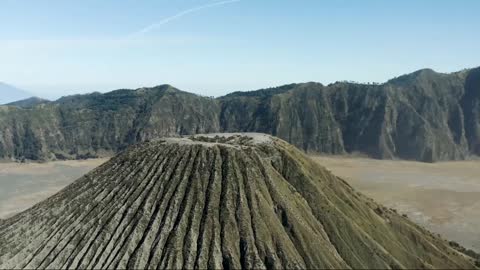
(25,184)
(444,197)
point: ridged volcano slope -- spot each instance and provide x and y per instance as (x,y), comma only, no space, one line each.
(232,201)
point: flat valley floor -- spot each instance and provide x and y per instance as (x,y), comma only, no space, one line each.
(24,185)
(444,197)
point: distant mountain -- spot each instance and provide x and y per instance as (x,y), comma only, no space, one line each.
(29,102)
(10,93)
(426,116)
(224,201)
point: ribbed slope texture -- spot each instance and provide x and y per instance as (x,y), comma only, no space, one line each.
(232,201)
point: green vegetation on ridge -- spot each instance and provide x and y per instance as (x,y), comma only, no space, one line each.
(424,116)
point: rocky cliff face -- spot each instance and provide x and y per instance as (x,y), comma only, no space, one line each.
(102,124)
(425,116)
(232,201)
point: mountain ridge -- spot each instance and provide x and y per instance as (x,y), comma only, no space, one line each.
(29,102)
(425,116)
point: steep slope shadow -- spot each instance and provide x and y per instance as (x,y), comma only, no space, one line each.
(471,110)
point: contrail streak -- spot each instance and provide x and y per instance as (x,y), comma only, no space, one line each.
(179,15)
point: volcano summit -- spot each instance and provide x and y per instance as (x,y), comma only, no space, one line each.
(216,201)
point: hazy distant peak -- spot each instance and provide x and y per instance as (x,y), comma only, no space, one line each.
(9,93)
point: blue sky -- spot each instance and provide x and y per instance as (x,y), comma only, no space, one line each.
(60,47)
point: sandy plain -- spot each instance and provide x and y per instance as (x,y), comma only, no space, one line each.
(444,197)
(22,185)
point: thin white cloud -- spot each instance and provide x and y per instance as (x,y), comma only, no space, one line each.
(167,20)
